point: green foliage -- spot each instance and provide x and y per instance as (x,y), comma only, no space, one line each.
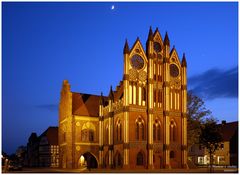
(196,117)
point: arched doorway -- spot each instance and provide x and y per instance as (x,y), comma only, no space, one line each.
(89,158)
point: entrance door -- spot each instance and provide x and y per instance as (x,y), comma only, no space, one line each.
(91,160)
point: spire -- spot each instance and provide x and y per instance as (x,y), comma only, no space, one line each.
(150,34)
(126,48)
(111,95)
(184,62)
(101,100)
(166,40)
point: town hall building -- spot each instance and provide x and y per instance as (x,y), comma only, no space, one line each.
(141,124)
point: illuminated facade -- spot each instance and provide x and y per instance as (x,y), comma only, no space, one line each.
(142,124)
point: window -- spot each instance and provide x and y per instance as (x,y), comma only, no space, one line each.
(221,159)
(173,131)
(87,135)
(91,135)
(140,158)
(119,130)
(200,160)
(137,132)
(160,96)
(106,135)
(158,133)
(155,96)
(140,129)
(156,130)
(172,154)
(222,146)
(144,94)
(87,132)
(84,135)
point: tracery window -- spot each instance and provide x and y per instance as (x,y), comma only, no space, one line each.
(87,132)
(140,129)
(87,135)
(173,131)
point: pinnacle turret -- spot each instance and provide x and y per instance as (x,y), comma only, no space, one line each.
(184,62)
(101,100)
(126,48)
(111,95)
(166,40)
(150,34)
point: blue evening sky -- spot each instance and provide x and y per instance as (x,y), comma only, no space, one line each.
(45,43)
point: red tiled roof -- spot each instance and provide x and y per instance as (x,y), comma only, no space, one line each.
(52,135)
(228,130)
(85,104)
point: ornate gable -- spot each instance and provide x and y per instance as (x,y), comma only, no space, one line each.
(174,57)
(138,62)
(158,38)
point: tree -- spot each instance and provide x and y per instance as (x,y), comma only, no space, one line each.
(196,117)
(210,138)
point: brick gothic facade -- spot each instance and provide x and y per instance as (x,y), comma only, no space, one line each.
(142,124)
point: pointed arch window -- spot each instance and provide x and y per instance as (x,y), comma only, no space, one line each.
(87,132)
(87,135)
(140,131)
(140,158)
(172,154)
(144,94)
(106,135)
(155,95)
(173,131)
(160,96)
(157,130)
(119,130)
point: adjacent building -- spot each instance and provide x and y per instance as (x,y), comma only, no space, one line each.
(32,150)
(226,155)
(43,150)
(48,148)
(141,124)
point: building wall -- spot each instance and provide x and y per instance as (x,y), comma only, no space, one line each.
(153,92)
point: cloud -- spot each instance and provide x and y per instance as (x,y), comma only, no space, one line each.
(50,107)
(215,83)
